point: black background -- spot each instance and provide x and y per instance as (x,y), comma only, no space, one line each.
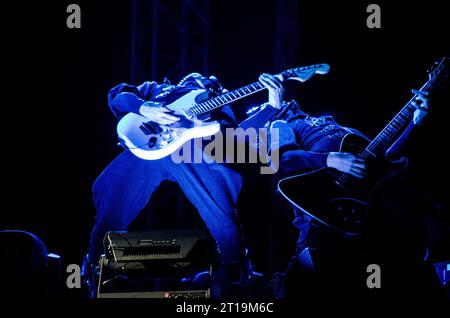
(61,134)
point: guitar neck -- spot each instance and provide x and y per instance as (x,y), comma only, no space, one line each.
(224,99)
(389,134)
(300,73)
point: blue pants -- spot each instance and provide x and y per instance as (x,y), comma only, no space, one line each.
(125,186)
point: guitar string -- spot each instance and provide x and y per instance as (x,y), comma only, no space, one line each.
(379,140)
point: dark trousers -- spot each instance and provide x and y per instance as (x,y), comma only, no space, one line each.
(125,186)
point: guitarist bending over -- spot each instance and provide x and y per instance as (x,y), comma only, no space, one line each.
(308,143)
(123,189)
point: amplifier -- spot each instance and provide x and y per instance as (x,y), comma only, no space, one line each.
(157,264)
(124,246)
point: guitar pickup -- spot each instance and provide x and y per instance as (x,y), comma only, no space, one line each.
(150,128)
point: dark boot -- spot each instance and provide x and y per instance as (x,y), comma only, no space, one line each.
(234,280)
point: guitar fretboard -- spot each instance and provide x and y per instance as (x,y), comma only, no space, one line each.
(391,131)
(224,99)
(384,139)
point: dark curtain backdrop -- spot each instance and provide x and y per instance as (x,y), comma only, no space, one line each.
(61,134)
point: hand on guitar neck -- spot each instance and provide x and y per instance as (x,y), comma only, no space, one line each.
(344,162)
(275,88)
(421,103)
(354,165)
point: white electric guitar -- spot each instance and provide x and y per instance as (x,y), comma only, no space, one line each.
(150,141)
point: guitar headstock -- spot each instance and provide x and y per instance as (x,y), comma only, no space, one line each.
(304,73)
(439,71)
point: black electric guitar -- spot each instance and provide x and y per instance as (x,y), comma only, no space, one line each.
(339,200)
